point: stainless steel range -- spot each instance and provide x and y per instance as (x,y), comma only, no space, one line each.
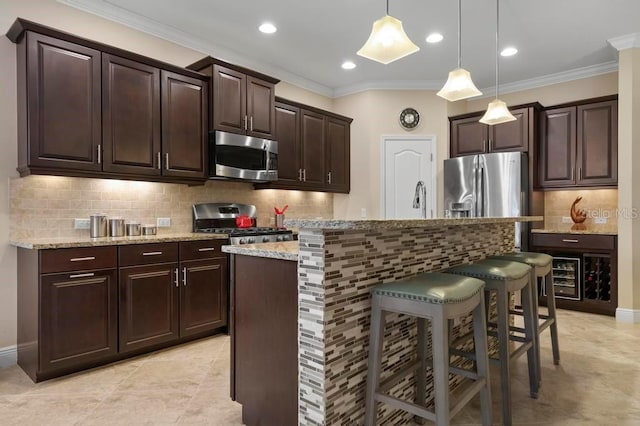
(236,220)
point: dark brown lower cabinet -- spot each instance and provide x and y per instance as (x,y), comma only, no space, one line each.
(203,300)
(264,340)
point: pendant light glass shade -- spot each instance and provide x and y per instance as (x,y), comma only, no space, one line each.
(388,41)
(458,86)
(497,111)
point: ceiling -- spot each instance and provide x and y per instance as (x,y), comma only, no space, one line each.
(557,39)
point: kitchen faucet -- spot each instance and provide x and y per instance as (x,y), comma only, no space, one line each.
(420,199)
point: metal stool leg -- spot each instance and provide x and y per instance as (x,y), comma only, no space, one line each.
(533,291)
(530,334)
(551,305)
(440,337)
(375,358)
(503,353)
(482,359)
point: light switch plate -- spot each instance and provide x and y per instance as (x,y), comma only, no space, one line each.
(600,220)
(566,219)
(81,223)
(363,213)
(163,222)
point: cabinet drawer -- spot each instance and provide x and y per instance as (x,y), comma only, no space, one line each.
(77,259)
(575,241)
(194,250)
(146,254)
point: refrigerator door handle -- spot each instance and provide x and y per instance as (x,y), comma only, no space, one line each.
(480,192)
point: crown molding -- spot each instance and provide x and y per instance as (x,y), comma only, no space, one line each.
(387,85)
(625,42)
(547,80)
(122,16)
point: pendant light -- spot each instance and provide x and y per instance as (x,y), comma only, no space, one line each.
(459,84)
(497,111)
(388,41)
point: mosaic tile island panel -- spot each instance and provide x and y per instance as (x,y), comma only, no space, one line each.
(339,262)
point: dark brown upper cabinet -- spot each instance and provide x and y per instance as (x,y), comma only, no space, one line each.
(88,109)
(313,149)
(579,146)
(242,100)
(469,136)
(58,105)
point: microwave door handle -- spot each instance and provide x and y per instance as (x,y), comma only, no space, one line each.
(267,154)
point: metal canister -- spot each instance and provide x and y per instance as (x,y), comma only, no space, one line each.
(149,230)
(98,226)
(133,229)
(116,227)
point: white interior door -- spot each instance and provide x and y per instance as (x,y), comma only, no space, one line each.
(405,161)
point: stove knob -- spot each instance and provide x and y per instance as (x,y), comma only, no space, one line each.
(287,237)
(252,240)
(243,241)
(265,239)
(279,238)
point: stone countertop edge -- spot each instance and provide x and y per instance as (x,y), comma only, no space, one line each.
(287,250)
(77,242)
(355,224)
(568,231)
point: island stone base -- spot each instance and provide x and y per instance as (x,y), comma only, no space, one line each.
(336,271)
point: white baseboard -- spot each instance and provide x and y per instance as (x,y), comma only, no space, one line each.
(8,356)
(628,315)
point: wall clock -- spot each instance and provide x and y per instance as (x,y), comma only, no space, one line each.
(409,118)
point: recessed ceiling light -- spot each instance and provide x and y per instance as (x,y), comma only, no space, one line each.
(267,28)
(434,38)
(509,51)
(348,65)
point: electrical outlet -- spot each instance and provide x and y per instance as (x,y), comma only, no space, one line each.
(81,224)
(566,219)
(600,220)
(163,222)
(363,213)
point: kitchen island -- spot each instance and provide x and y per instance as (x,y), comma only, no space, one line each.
(338,262)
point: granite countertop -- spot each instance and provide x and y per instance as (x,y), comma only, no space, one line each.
(72,242)
(569,231)
(286,250)
(402,223)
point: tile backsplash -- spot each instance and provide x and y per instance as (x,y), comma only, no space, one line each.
(46,206)
(598,203)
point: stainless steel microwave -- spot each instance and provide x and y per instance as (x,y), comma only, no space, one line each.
(242,157)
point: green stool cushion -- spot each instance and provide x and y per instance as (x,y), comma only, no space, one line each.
(540,260)
(432,287)
(492,269)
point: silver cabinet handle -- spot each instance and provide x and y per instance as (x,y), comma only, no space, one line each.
(90,274)
(152,253)
(166,160)
(300,175)
(579,173)
(245,122)
(570,241)
(572,172)
(184,276)
(82,259)
(99,154)
(484,145)
(175,281)
(207,249)
(304,175)
(329,177)
(251,123)
(490,145)
(159,160)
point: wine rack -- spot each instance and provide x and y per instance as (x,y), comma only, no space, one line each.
(597,277)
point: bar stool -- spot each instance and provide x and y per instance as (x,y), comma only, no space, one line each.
(505,277)
(437,297)
(541,265)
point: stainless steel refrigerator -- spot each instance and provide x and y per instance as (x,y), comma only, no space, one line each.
(488,185)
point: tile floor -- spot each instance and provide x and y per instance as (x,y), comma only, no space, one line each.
(597,383)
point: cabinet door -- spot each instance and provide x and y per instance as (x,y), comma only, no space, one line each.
(229,100)
(558,148)
(130,116)
(203,295)
(511,136)
(260,108)
(338,155)
(63,81)
(313,148)
(184,125)
(468,136)
(148,306)
(597,143)
(79,318)
(289,148)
